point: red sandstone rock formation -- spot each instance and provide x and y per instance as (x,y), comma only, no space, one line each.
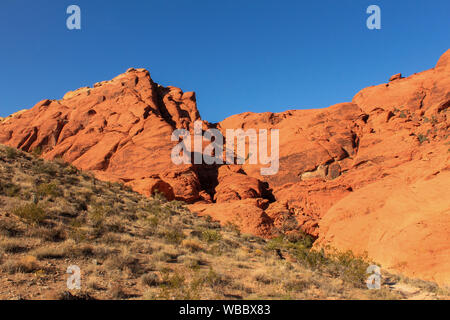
(372,175)
(119,129)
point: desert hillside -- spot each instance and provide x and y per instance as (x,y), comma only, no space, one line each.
(371,175)
(129,246)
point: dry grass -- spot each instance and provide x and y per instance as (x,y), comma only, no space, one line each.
(25,264)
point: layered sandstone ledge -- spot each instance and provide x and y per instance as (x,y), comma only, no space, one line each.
(371,175)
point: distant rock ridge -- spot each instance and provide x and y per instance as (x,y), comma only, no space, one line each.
(369,175)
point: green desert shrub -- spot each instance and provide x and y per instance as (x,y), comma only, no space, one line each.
(211,236)
(344,265)
(43,167)
(32,213)
(173,235)
(70,169)
(11,153)
(10,189)
(37,151)
(48,190)
(97,215)
(422,138)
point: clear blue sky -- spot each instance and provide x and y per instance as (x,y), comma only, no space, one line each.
(238,55)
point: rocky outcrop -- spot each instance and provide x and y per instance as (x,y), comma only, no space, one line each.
(12,116)
(119,129)
(369,175)
(396,77)
(399,211)
(247,215)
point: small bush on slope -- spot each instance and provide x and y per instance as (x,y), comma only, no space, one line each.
(30,212)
